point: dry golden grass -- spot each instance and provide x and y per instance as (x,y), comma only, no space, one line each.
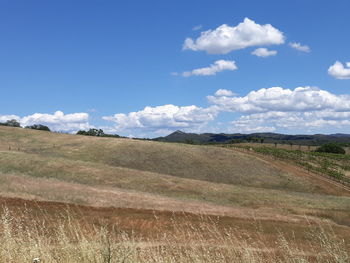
(27,236)
(251,209)
(187,161)
(185,195)
(153,175)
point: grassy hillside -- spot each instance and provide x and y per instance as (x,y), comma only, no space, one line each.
(36,148)
(89,199)
(154,175)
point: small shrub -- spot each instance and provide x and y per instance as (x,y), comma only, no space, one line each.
(331,148)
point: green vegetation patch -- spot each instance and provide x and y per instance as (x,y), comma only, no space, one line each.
(331,164)
(331,148)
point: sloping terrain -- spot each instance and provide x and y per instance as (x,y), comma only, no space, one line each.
(203,163)
(162,176)
(46,153)
(75,197)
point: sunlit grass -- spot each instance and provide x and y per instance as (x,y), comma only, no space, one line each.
(26,236)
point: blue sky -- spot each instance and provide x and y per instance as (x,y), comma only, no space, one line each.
(124,66)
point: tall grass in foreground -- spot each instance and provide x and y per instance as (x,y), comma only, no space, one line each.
(25,237)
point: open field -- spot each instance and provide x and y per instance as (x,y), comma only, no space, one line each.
(141,185)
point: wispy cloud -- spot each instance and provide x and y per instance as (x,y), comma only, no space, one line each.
(196,28)
(300,47)
(264,52)
(213,69)
(224,92)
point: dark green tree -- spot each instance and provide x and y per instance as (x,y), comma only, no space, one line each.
(330,148)
(11,123)
(38,127)
(92,132)
(189,141)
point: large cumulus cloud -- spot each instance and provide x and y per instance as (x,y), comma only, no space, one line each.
(280,99)
(225,38)
(165,117)
(304,109)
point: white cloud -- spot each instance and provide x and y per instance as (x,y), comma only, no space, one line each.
(338,71)
(225,38)
(300,47)
(264,52)
(198,27)
(56,122)
(304,109)
(218,66)
(164,117)
(313,121)
(224,92)
(4,118)
(279,99)
(250,127)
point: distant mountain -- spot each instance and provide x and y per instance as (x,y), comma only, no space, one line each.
(208,138)
(340,135)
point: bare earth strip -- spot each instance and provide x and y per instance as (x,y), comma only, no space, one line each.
(150,223)
(50,189)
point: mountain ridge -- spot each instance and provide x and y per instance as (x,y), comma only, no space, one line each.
(269,137)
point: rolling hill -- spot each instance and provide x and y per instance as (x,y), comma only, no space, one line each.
(95,168)
(126,181)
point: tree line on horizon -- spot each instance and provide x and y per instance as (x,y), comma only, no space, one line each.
(90,132)
(15,123)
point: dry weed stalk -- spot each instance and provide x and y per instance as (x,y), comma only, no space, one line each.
(26,237)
